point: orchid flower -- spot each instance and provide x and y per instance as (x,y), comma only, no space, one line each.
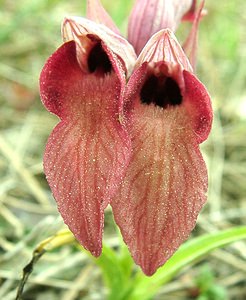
(129,130)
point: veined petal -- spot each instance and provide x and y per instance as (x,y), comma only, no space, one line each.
(88,151)
(150,16)
(97,13)
(164,188)
(81,30)
(163,46)
(165,184)
(164,54)
(198,105)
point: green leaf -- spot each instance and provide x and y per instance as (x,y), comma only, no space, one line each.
(111,270)
(116,267)
(189,253)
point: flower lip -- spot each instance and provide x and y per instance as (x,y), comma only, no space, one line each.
(96,12)
(88,151)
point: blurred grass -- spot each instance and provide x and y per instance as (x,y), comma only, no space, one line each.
(29,33)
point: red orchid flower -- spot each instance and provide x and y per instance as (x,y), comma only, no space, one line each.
(128,135)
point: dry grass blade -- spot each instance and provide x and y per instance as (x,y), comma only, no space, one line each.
(27,177)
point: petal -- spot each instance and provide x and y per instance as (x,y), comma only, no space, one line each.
(165,185)
(164,189)
(80,30)
(88,151)
(163,46)
(97,13)
(164,54)
(150,16)
(198,105)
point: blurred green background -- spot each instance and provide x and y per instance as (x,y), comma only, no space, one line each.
(29,33)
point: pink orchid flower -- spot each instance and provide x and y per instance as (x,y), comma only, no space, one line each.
(129,130)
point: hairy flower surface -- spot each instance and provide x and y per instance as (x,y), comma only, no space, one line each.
(129,129)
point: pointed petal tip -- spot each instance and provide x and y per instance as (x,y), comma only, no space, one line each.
(151,267)
(97,13)
(95,249)
(68,28)
(93,246)
(96,253)
(149,271)
(164,47)
(65,29)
